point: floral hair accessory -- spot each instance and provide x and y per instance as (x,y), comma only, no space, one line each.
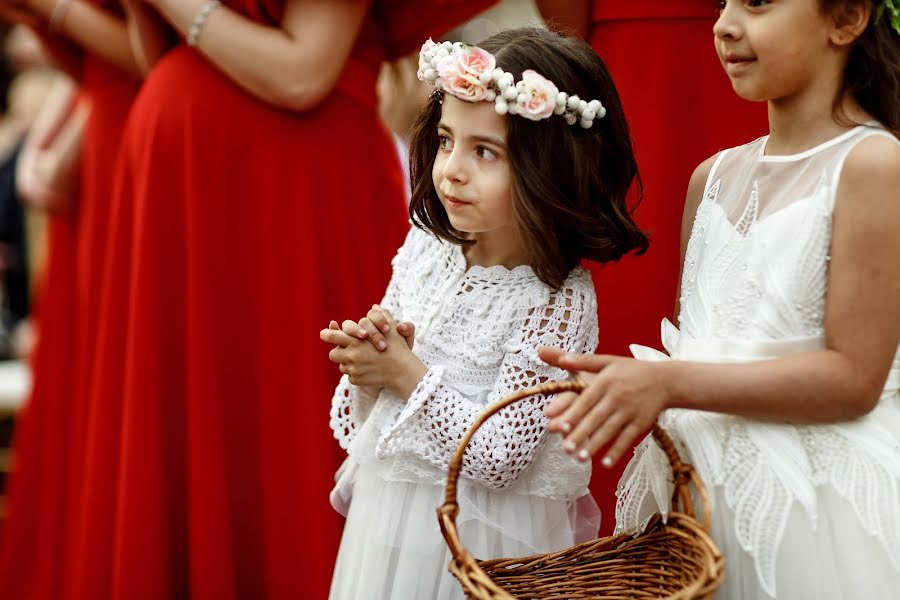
(889,9)
(470,73)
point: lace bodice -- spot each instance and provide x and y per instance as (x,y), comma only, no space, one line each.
(754,287)
(478,332)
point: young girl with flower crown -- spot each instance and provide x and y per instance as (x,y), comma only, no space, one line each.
(514,182)
(782,382)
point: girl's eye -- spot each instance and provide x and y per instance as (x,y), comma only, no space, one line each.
(444,142)
(486,153)
(757,3)
(720,5)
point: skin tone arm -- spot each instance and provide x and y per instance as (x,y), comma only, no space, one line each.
(293,66)
(567,15)
(87,26)
(842,382)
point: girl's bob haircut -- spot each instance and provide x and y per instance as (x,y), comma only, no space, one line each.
(570,185)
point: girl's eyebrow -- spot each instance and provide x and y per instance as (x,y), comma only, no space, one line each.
(489,139)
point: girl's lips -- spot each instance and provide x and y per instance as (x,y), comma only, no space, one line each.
(456,202)
(736,64)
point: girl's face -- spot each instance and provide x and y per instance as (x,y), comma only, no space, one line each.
(472,172)
(775,49)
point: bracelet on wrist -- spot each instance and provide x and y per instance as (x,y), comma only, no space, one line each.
(196,28)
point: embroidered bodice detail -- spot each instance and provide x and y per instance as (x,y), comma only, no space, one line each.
(478,331)
(754,287)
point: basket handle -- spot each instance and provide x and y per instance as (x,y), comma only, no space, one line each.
(684,474)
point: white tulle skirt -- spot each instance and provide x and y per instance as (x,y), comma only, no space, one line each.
(392,547)
(835,559)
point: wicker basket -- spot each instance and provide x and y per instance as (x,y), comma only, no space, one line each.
(673,560)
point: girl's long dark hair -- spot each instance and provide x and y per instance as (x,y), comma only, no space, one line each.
(872,75)
(570,185)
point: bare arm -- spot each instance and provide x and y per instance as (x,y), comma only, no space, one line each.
(840,383)
(293,66)
(148,34)
(862,315)
(567,15)
(95,30)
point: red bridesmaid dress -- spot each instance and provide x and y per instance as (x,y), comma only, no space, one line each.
(239,231)
(52,433)
(681,110)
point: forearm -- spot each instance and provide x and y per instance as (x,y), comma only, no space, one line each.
(820,387)
(148,34)
(96,31)
(293,66)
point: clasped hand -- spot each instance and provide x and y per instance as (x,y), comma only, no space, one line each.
(376,352)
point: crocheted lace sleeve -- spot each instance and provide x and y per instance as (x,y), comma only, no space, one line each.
(437,416)
(350,406)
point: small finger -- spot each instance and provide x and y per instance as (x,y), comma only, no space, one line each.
(334,325)
(593,363)
(337,355)
(352,328)
(592,418)
(606,430)
(338,338)
(583,404)
(623,444)
(375,336)
(559,404)
(377,316)
(550,355)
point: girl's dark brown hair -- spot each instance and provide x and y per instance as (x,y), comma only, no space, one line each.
(570,185)
(872,75)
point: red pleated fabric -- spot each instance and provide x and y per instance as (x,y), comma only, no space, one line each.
(681,109)
(238,231)
(44,533)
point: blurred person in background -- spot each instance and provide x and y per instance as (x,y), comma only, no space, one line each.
(65,168)
(659,53)
(258,196)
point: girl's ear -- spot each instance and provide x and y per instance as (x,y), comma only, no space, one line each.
(850,21)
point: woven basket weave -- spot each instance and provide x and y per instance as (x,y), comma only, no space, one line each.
(675,560)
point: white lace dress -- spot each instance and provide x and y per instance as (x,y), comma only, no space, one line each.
(478,332)
(800,512)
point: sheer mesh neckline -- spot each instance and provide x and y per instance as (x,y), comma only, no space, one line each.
(763,157)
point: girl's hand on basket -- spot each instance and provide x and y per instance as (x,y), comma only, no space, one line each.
(394,367)
(623,399)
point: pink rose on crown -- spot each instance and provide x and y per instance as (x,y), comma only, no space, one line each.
(461,73)
(537,98)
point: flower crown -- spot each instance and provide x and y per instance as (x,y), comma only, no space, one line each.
(470,73)
(890,9)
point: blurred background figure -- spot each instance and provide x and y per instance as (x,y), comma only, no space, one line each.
(675,95)
(65,169)
(258,196)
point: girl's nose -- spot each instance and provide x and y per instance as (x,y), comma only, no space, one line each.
(454,167)
(728,26)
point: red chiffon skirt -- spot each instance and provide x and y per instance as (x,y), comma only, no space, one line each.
(239,231)
(45,535)
(681,110)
